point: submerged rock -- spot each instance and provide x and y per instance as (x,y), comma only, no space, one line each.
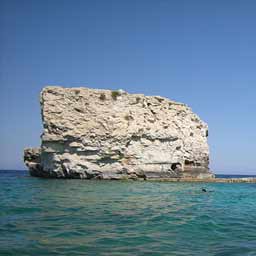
(104,134)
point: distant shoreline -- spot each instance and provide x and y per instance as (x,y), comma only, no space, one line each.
(219,178)
(210,180)
(222,175)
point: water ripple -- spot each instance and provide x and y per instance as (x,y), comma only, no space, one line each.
(74,217)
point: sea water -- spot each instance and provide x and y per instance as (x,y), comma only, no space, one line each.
(85,217)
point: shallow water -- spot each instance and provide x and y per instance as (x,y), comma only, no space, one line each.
(80,217)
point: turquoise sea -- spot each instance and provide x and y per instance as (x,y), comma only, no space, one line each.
(81,217)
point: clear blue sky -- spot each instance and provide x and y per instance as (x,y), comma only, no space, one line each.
(199,52)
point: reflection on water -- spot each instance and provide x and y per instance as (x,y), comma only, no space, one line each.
(77,217)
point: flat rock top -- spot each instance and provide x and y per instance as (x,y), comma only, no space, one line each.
(84,111)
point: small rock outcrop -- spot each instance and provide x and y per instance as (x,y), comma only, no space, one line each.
(104,134)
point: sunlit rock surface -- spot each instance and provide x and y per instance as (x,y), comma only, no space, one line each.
(104,134)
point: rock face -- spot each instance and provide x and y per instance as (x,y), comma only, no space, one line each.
(103,134)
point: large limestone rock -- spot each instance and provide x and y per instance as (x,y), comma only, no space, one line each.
(104,134)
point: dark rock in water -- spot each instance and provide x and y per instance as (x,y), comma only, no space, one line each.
(32,159)
(103,134)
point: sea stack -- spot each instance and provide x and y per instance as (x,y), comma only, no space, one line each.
(104,134)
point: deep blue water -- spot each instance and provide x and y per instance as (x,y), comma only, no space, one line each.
(81,217)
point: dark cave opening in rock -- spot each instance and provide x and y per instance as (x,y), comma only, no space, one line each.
(176,166)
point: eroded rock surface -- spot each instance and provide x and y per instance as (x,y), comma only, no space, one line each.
(104,134)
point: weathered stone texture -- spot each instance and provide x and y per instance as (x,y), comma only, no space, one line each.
(105,134)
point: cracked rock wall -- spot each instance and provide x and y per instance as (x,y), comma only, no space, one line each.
(104,134)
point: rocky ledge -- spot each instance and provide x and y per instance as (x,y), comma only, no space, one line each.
(104,134)
(210,180)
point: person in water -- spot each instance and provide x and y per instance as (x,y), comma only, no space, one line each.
(205,190)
